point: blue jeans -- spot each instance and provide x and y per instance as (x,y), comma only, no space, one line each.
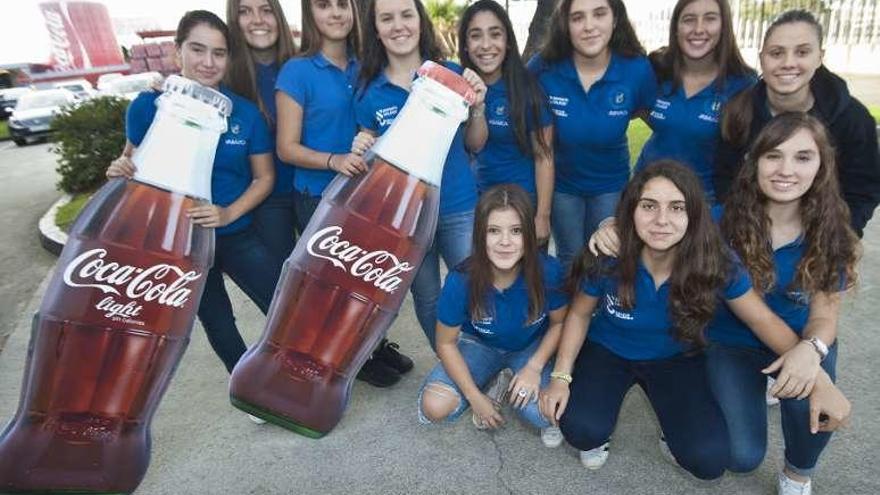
(247,261)
(305,205)
(484,362)
(573,219)
(275,222)
(452,241)
(677,390)
(737,382)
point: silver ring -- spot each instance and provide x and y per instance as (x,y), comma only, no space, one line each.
(522,392)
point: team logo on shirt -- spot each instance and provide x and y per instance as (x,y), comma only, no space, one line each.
(234,139)
(498,115)
(556,102)
(483,325)
(711,110)
(660,106)
(385,116)
(613,308)
(618,100)
(798,297)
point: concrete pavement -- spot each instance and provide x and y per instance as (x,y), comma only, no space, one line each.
(202,445)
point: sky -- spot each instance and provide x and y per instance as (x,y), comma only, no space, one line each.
(23,37)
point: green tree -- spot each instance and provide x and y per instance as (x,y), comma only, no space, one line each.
(444,15)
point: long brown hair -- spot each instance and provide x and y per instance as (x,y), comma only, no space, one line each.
(311,36)
(375,58)
(736,118)
(668,61)
(558,44)
(242,74)
(524,94)
(832,248)
(479,267)
(701,266)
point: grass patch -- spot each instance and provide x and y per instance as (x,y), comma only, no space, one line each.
(638,132)
(65,215)
(4,129)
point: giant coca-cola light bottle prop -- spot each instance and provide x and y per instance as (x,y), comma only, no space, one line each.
(344,283)
(117,316)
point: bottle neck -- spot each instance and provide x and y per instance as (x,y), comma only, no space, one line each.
(421,134)
(177,153)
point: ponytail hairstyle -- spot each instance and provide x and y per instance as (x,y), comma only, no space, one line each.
(832,247)
(242,74)
(524,94)
(738,113)
(479,267)
(558,46)
(374,56)
(701,267)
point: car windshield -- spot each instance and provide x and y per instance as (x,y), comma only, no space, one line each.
(41,100)
(74,87)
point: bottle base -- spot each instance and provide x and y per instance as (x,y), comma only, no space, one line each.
(281,421)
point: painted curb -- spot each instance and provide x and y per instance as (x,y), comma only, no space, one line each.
(53,238)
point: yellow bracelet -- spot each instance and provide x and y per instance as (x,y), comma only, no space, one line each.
(561,376)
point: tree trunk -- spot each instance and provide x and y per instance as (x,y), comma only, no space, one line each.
(538,27)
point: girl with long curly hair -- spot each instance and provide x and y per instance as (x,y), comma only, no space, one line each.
(652,306)
(786,220)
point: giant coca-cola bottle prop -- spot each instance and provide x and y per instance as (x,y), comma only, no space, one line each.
(117,316)
(344,283)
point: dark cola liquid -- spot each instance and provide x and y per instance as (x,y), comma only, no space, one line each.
(339,292)
(110,331)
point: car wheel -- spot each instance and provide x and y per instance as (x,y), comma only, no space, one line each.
(20,141)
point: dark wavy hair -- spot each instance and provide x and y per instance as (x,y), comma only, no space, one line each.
(374,56)
(736,118)
(524,94)
(558,43)
(668,61)
(311,36)
(832,247)
(242,74)
(479,268)
(702,265)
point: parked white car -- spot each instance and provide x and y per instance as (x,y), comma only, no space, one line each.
(35,111)
(82,88)
(8,99)
(129,86)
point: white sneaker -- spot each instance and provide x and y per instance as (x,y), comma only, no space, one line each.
(497,391)
(551,437)
(256,419)
(595,458)
(788,486)
(771,399)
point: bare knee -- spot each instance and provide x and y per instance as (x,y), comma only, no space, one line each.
(439,401)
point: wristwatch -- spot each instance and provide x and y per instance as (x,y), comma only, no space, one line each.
(819,346)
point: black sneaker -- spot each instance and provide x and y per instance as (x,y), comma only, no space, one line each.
(378,374)
(388,353)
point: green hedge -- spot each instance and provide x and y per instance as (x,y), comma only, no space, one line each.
(88,137)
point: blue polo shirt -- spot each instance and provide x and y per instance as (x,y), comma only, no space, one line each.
(501,160)
(644,332)
(508,327)
(591,148)
(792,305)
(377,106)
(231,174)
(325,94)
(688,129)
(267,74)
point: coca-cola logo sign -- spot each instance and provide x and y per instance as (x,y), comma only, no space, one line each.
(379,268)
(161,283)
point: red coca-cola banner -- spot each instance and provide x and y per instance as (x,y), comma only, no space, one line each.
(81,35)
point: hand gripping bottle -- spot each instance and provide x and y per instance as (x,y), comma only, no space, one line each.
(344,283)
(117,316)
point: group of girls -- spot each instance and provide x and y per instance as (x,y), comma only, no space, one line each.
(544,149)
